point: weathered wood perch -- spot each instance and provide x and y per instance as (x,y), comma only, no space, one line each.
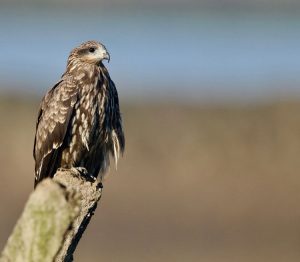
(54,219)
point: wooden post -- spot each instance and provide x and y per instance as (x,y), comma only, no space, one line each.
(54,219)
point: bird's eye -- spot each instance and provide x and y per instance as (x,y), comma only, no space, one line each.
(92,49)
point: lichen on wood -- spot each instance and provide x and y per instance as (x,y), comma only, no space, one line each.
(54,219)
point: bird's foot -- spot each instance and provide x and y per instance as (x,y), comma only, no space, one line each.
(83,172)
(80,170)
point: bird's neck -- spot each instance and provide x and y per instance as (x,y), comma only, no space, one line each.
(86,72)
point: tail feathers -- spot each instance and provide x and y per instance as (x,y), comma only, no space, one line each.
(47,167)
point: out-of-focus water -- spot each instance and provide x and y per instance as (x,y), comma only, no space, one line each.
(176,54)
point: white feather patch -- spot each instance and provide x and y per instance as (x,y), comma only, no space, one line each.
(85,142)
(116,145)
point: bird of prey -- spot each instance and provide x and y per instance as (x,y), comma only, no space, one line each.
(79,122)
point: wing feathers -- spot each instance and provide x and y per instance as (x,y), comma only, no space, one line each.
(54,116)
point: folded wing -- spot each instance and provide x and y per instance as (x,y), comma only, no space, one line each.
(54,118)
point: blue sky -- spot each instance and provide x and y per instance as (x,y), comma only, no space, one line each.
(193,54)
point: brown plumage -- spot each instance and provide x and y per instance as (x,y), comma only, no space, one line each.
(79,122)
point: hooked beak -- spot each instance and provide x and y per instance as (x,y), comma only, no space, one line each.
(106,56)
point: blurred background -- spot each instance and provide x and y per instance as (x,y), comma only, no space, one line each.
(210,98)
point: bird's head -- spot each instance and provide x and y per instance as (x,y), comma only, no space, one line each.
(91,52)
